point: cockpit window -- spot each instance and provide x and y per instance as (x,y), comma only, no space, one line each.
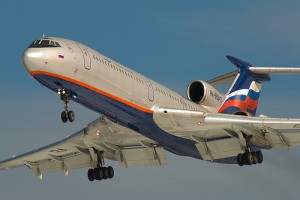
(44,42)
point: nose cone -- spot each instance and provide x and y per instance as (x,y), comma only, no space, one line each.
(26,61)
(32,58)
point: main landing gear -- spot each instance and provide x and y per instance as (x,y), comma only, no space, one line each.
(249,157)
(100,173)
(66,115)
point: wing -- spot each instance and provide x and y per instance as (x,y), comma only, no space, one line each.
(221,135)
(101,138)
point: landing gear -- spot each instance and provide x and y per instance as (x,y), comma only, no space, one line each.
(66,115)
(91,174)
(260,157)
(249,157)
(100,173)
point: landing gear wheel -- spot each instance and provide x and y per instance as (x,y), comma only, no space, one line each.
(240,159)
(96,174)
(255,159)
(244,158)
(111,172)
(259,157)
(249,157)
(91,174)
(71,116)
(64,117)
(105,172)
(99,173)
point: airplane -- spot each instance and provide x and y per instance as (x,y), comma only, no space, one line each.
(140,119)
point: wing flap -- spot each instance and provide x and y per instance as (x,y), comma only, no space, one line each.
(225,148)
(284,139)
(75,162)
(219,148)
(142,157)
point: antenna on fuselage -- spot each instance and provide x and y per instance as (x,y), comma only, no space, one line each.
(44,35)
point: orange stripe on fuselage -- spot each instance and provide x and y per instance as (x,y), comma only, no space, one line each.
(33,73)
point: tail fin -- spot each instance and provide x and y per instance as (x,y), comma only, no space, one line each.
(244,93)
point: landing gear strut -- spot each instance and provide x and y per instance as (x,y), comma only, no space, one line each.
(66,115)
(249,157)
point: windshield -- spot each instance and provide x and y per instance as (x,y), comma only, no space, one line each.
(44,42)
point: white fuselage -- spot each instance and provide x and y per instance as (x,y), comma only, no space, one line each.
(87,66)
(105,86)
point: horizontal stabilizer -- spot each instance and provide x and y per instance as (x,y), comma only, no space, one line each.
(274,70)
(223,79)
(259,71)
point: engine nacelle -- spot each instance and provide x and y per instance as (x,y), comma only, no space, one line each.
(204,94)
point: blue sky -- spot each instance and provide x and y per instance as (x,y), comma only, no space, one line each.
(173,43)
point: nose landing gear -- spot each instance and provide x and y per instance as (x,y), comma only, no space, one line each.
(66,115)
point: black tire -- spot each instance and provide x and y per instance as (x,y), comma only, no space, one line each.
(71,116)
(100,173)
(105,172)
(64,117)
(255,159)
(244,159)
(111,172)
(91,174)
(249,158)
(240,159)
(260,157)
(96,172)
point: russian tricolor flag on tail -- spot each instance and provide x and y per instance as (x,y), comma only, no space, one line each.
(61,56)
(245,92)
(242,100)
